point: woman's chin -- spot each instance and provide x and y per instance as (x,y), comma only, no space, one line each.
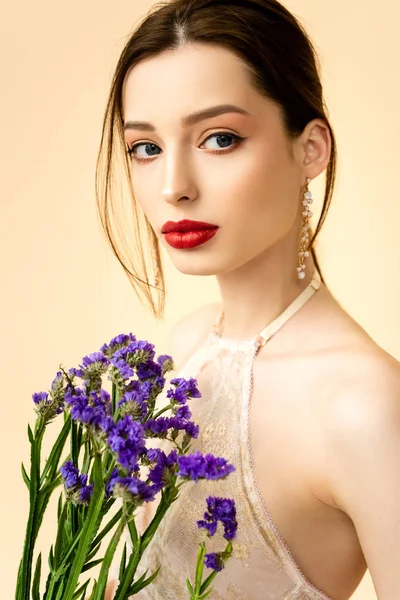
(199,270)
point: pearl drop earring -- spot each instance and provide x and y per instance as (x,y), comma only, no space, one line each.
(305,236)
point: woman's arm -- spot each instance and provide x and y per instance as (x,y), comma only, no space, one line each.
(363,463)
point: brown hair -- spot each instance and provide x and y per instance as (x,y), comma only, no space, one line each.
(282,62)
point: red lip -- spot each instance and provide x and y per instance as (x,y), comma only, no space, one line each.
(189,239)
(186,225)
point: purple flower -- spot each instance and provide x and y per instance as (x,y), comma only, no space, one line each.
(161,425)
(93,410)
(149,370)
(75,484)
(92,368)
(41,399)
(192,430)
(196,466)
(126,439)
(124,370)
(134,402)
(57,387)
(166,363)
(134,490)
(152,454)
(71,475)
(161,474)
(117,342)
(126,358)
(135,353)
(183,412)
(111,481)
(53,405)
(157,426)
(85,493)
(214,561)
(183,389)
(220,509)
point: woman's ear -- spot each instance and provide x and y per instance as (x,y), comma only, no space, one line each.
(314,148)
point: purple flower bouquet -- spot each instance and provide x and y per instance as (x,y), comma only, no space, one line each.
(103,462)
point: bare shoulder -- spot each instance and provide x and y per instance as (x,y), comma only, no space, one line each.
(190,330)
(361,412)
(353,398)
(368,393)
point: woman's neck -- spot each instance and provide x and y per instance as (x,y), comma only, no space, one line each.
(254,295)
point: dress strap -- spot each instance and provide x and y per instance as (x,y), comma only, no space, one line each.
(268,331)
(273,327)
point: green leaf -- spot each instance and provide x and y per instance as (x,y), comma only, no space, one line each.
(18,590)
(107,528)
(135,588)
(62,567)
(200,566)
(114,397)
(36,578)
(73,518)
(59,506)
(86,457)
(205,595)
(91,564)
(93,590)
(122,590)
(207,581)
(141,578)
(81,590)
(93,552)
(108,557)
(60,537)
(25,476)
(60,591)
(48,581)
(51,466)
(133,531)
(51,559)
(123,562)
(50,486)
(24,582)
(88,530)
(189,587)
(41,505)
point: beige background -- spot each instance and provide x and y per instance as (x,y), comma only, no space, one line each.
(63,294)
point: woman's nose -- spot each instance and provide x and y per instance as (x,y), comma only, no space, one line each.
(178,179)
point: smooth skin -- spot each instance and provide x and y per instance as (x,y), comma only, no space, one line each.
(325,417)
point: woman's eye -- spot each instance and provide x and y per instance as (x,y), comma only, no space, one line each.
(132,151)
(222,139)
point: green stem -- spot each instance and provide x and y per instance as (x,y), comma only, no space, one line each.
(161,411)
(107,560)
(24,582)
(51,589)
(88,529)
(114,398)
(107,528)
(143,541)
(52,461)
(199,568)
(129,574)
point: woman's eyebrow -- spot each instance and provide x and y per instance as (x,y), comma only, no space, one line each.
(213,111)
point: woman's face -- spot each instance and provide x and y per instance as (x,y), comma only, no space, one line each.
(233,170)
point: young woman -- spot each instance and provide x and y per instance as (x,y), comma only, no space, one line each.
(217,110)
